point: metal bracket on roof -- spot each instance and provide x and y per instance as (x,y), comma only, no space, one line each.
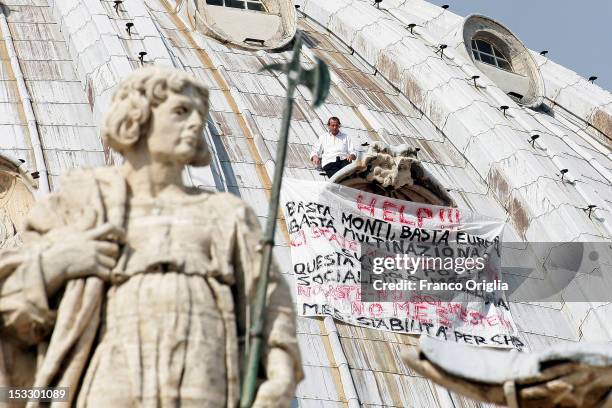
(475,78)
(533,140)
(141,56)
(590,209)
(442,47)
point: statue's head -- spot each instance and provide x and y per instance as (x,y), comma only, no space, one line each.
(160,111)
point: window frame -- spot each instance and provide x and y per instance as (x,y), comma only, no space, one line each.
(496,55)
(245,5)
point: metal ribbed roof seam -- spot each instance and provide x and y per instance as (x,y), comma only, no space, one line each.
(68,137)
(41,50)
(602,194)
(546,194)
(482,204)
(513,160)
(524,119)
(75,114)
(25,104)
(36,31)
(8,111)
(29,13)
(60,160)
(74,16)
(565,222)
(324,390)
(464,179)
(48,70)
(538,341)
(57,92)
(142,37)
(58,103)
(565,87)
(99,71)
(204,178)
(587,133)
(236,148)
(240,63)
(14,137)
(81,35)
(583,151)
(597,326)
(544,321)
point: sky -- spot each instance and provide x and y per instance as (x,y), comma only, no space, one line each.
(577,33)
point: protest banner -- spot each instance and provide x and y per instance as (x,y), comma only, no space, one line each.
(388,264)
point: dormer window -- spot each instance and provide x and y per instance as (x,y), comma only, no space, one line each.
(248,24)
(502,58)
(254,5)
(489,54)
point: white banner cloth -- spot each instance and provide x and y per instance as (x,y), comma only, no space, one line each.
(335,230)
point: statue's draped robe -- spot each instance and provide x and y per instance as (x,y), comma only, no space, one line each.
(49,342)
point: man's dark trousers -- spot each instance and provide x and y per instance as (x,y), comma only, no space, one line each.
(333,167)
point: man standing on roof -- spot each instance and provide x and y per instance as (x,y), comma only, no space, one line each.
(334,149)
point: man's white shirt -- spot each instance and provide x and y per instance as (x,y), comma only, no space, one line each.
(328,147)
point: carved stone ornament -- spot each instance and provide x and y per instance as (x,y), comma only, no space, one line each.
(394,171)
(567,375)
(16,199)
(134,288)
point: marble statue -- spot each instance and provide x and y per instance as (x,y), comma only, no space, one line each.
(132,289)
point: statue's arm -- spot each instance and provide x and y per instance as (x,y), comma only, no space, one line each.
(24,309)
(52,253)
(281,352)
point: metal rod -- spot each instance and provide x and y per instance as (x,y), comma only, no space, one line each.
(442,47)
(26,103)
(590,208)
(256,338)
